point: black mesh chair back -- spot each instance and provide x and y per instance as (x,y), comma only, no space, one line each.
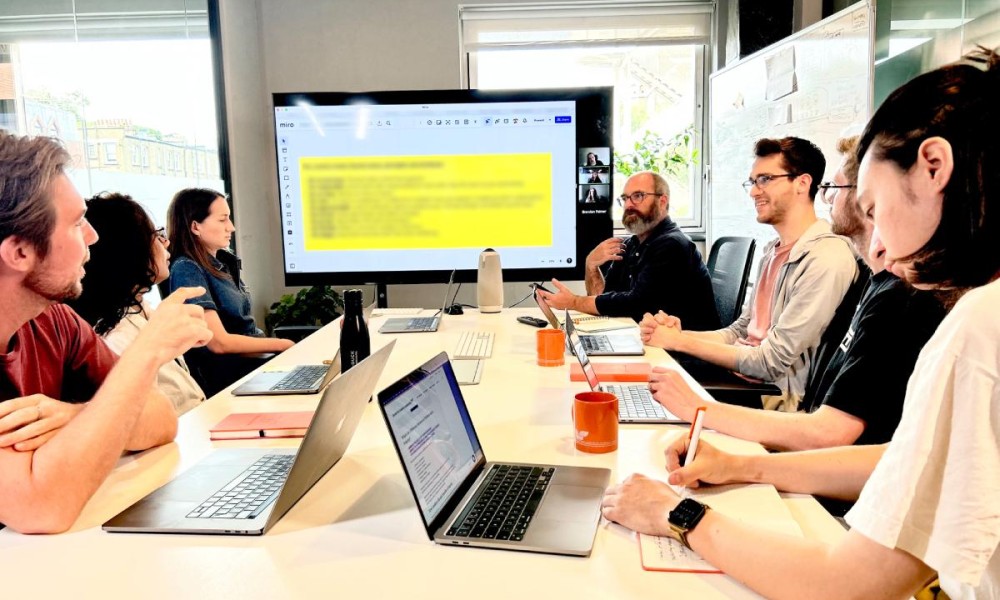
(729,265)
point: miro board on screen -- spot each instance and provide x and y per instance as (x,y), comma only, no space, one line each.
(404,187)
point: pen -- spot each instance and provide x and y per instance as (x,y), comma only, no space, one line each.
(694,435)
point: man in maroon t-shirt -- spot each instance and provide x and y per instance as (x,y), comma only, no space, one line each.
(68,408)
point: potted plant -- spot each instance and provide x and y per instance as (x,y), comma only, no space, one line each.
(671,158)
(297,315)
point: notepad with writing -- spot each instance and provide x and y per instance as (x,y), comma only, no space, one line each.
(245,426)
(619,371)
(757,504)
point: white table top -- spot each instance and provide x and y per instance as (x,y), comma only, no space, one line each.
(357,532)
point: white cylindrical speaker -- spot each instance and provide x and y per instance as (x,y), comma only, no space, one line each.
(489,284)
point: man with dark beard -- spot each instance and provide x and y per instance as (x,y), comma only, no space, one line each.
(68,406)
(657,269)
(856,396)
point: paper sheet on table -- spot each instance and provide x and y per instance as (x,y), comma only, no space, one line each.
(757,504)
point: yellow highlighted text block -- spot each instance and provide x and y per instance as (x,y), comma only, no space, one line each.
(401,202)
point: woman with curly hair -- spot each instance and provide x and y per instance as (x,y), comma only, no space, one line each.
(128,259)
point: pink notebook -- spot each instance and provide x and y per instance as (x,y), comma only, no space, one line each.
(244,426)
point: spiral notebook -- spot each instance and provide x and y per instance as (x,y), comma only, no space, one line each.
(593,324)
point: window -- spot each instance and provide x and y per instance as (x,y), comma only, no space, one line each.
(652,53)
(116,80)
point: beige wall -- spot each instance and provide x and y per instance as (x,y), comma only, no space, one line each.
(314,45)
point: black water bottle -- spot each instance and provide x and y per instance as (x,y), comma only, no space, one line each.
(355,345)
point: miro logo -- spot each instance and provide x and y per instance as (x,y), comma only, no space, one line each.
(286,125)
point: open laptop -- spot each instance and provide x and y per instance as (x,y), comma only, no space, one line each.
(416,324)
(246,491)
(598,344)
(465,500)
(300,379)
(635,402)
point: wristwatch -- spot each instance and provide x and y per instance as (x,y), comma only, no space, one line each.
(684,517)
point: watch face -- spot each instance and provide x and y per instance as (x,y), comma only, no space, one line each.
(687,513)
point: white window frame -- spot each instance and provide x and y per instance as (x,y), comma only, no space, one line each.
(559,14)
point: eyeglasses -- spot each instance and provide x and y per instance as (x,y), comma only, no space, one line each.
(825,194)
(635,197)
(161,234)
(762,181)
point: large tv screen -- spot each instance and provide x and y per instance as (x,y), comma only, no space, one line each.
(404,187)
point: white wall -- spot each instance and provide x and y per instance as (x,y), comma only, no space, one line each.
(313,45)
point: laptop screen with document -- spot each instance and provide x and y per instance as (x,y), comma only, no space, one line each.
(432,430)
(577,347)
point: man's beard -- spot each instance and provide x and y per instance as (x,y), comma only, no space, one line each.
(849,224)
(637,223)
(38,283)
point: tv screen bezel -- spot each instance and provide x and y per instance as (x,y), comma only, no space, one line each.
(591,102)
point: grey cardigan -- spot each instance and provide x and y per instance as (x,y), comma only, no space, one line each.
(810,286)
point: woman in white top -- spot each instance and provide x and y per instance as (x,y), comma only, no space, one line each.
(128,259)
(930,499)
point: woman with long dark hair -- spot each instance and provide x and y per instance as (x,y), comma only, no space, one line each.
(200,231)
(128,259)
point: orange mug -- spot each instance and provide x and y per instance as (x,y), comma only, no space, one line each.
(551,346)
(595,422)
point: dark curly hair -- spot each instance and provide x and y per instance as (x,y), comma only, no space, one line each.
(960,103)
(122,263)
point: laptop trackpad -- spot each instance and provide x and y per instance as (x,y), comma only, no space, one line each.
(570,503)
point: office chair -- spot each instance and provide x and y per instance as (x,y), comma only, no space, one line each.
(729,266)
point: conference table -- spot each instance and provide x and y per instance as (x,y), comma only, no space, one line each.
(357,533)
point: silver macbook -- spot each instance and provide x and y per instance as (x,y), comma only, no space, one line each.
(417,324)
(598,344)
(301,379)
(246,491)
(465,500)
(635,402)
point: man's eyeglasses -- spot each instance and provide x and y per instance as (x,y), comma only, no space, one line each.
(635,197)
(762,181)
(828,191)
(161,234)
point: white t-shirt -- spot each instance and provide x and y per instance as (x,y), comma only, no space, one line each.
(936,491)
(173,378)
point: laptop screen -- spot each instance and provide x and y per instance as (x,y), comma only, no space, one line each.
(546,310)
(581,355)
(433,432)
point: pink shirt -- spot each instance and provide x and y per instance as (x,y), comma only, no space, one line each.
(760,321)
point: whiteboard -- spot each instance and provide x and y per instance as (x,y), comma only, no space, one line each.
(815,84)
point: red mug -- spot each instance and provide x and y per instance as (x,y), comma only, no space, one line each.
(595,422)
(551,347)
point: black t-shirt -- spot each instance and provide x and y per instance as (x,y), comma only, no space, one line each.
(665,272)
(868,371)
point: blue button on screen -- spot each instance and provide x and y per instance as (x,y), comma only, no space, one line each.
(566,119)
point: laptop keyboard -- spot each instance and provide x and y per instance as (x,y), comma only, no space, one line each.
(301,378)
(635,402)
(595,343)
(506,504)
(250,493)
(474,344)
(421,323)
